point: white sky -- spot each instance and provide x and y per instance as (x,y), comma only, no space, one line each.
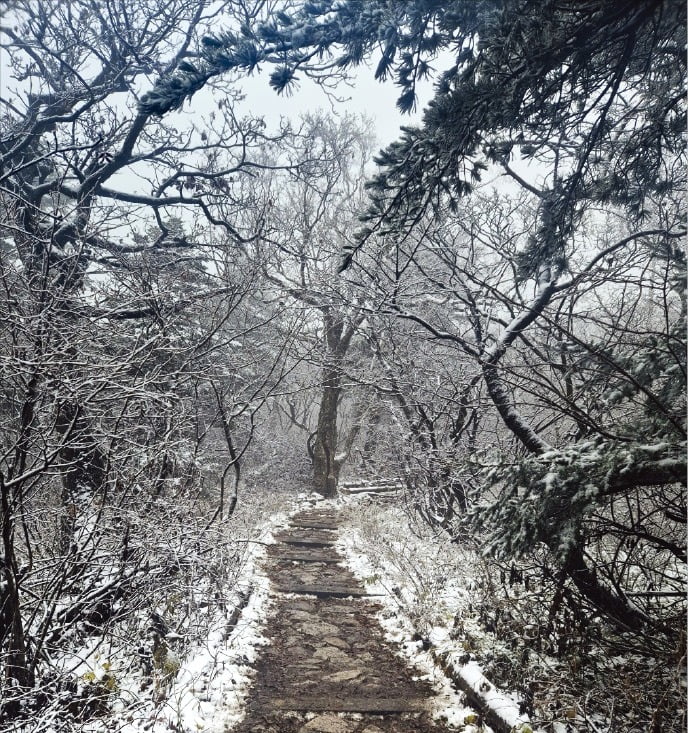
(377,100)
(364,96)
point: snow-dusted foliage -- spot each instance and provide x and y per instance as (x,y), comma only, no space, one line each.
(559,290)
(566,669)
(137,348)
(521,343)
(597,375)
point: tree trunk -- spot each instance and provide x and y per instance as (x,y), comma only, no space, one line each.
(84,476)
(12,636)
(18,672)
(602,598)
(325,464)
(371,439)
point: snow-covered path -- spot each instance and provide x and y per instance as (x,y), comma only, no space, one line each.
(326,666)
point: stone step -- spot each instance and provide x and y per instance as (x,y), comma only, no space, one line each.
(315,519)
(307,524)
(299,540)
(371,481)
(316,704)
(306,556)
(325,591)
(391,489)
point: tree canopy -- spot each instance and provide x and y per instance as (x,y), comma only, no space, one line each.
(593,90)
(580,105)
(505,337)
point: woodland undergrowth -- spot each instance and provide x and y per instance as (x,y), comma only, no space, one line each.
(116,673)
(570,671)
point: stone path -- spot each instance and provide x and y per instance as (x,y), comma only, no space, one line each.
(327,668)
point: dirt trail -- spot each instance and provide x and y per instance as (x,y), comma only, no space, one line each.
(327,668)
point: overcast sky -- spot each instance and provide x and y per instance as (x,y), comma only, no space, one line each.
(377,100)
(366,96)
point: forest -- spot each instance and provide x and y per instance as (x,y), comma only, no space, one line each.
(212,318)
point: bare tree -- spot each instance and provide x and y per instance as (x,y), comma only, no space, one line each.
(122,279)
(306,217)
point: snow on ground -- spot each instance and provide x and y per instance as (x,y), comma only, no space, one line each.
(441,598)
(211,682)
(210,689)
(450,705)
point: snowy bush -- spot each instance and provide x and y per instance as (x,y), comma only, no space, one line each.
(525,625)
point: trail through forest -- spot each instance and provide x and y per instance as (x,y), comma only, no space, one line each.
(214,301)
(327,667)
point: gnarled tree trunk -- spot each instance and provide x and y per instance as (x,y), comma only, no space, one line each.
(326,461)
